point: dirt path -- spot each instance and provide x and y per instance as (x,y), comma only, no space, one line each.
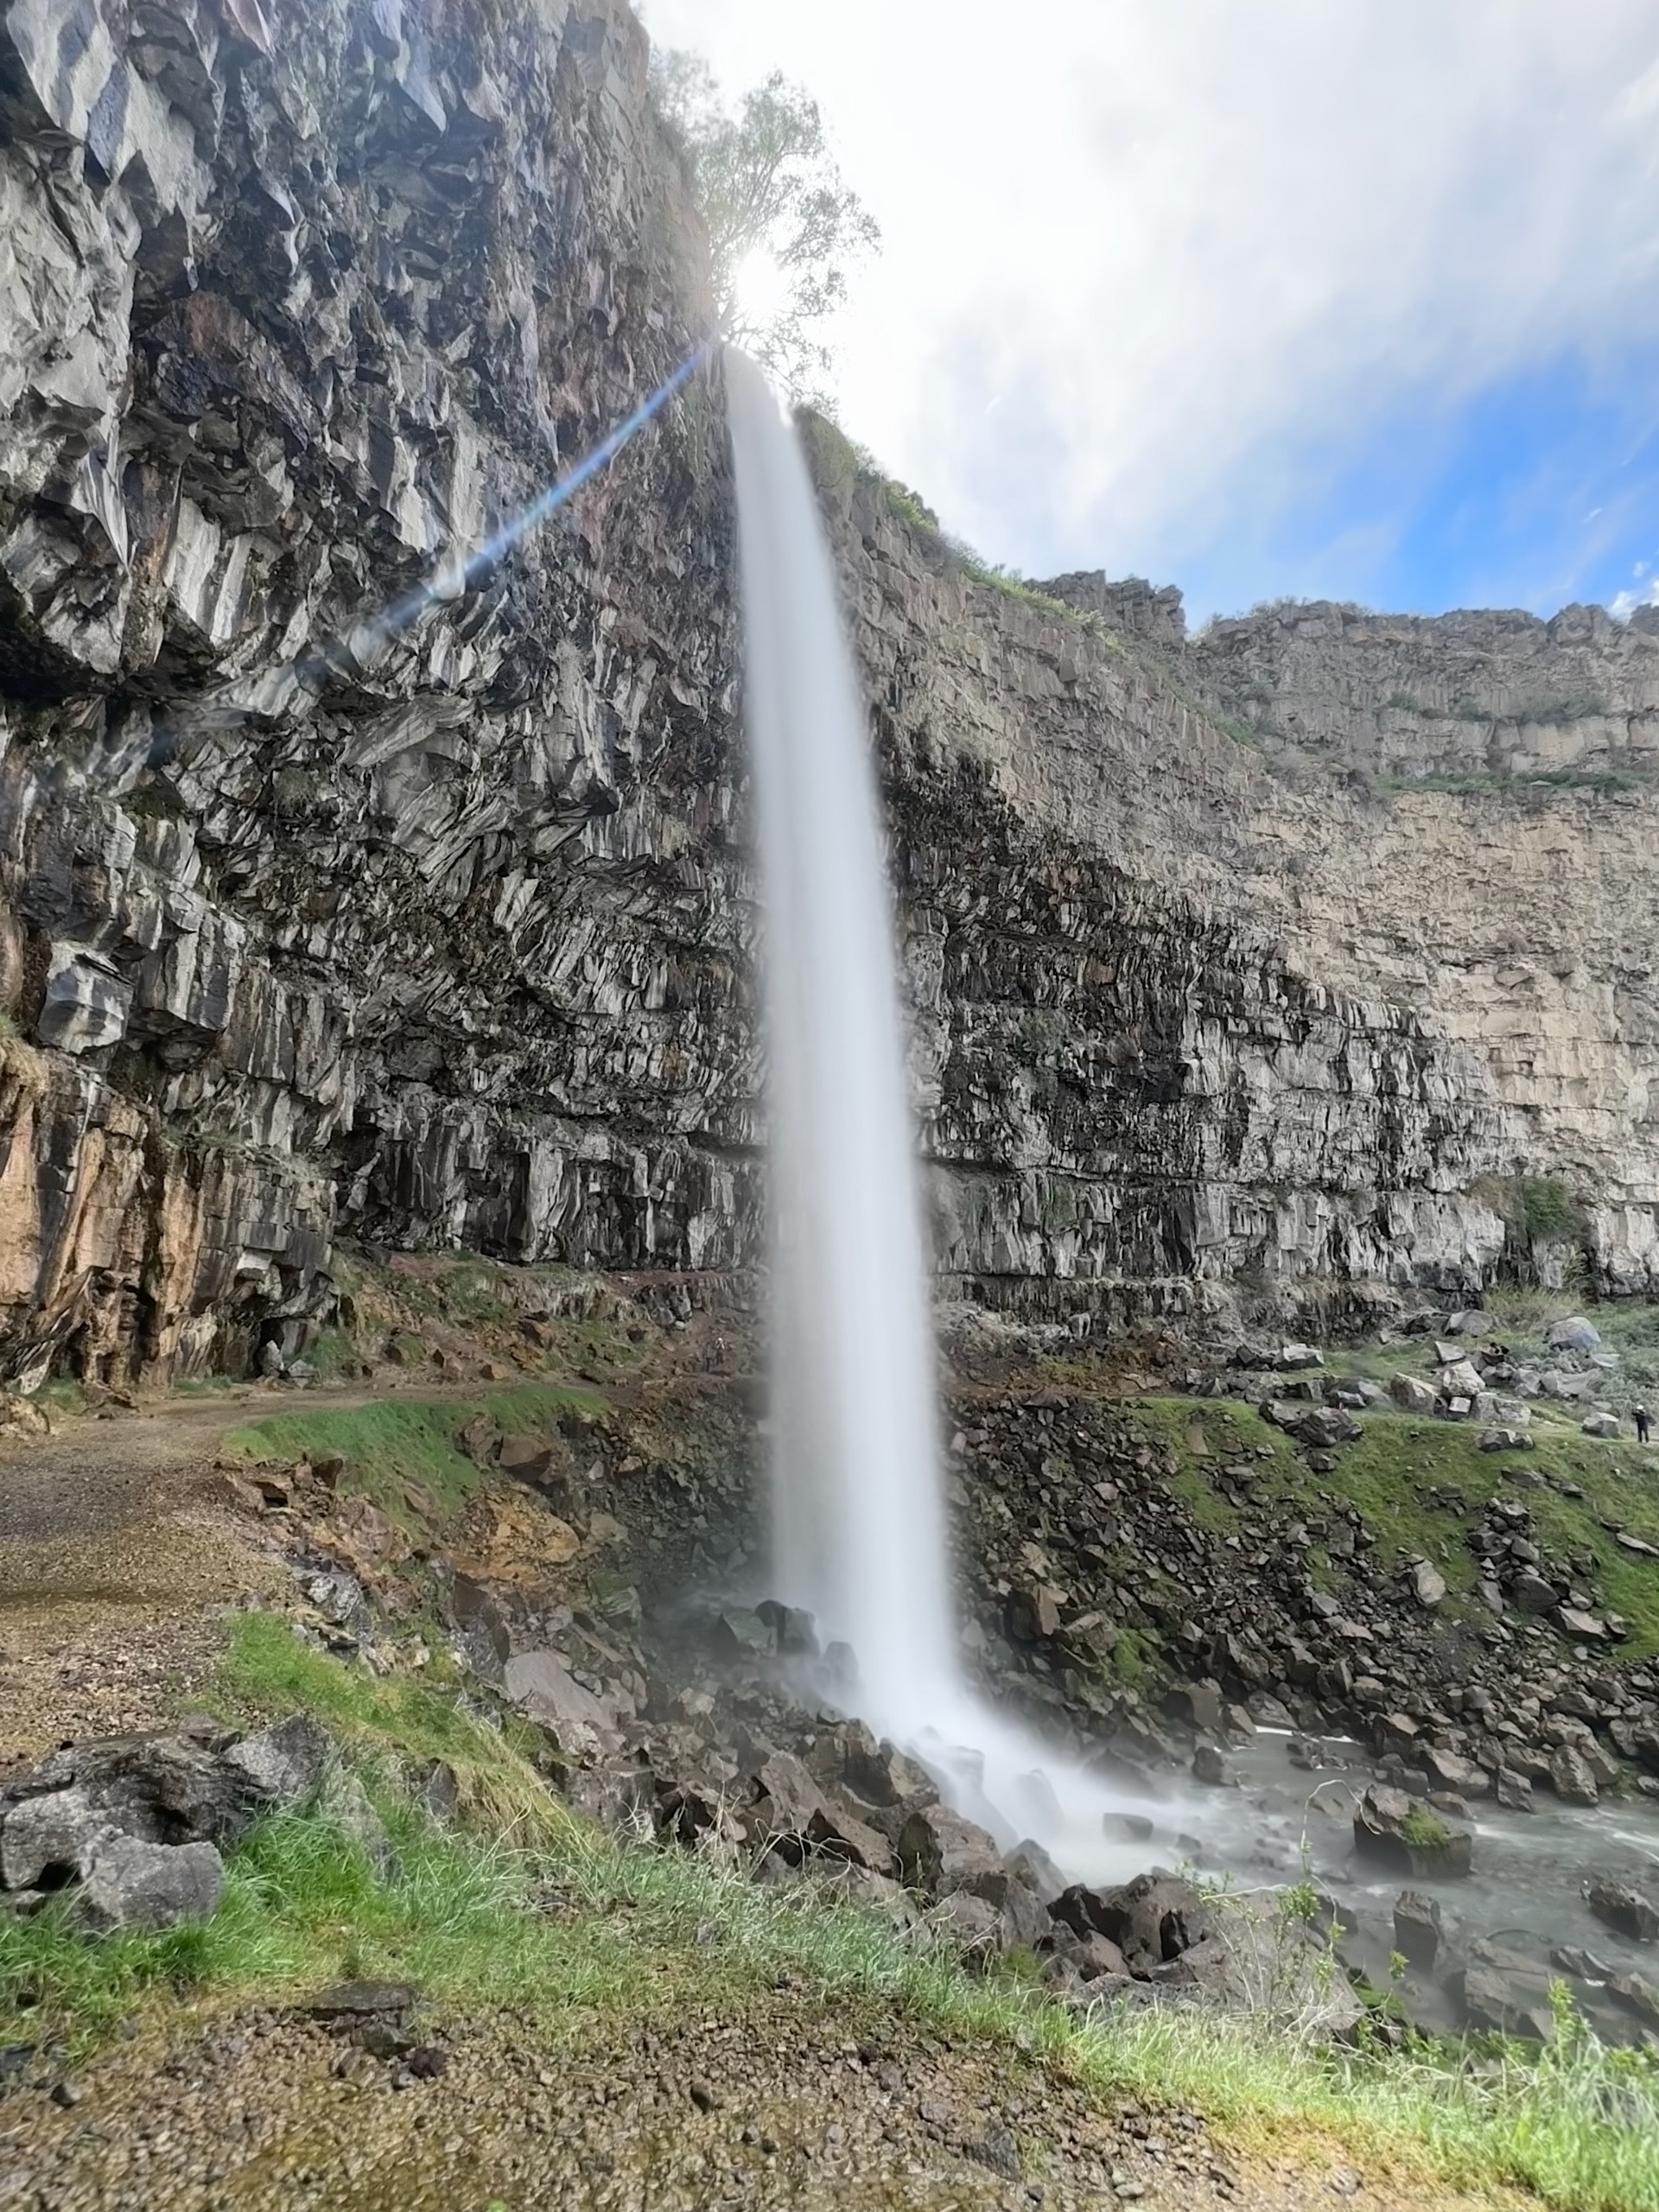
(119,1547)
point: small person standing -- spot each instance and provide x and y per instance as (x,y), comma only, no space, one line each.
(1643,1424)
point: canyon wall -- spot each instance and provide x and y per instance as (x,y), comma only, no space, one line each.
(1267,957)
(437,938)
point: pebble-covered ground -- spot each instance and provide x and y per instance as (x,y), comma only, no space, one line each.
(791,2105)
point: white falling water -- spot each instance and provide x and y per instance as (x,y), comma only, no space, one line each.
(860,1519)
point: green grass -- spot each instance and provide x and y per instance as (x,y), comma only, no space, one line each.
(640,1934)
(268,1671)
(393,1442)
(1424,1829)
(1400,1463)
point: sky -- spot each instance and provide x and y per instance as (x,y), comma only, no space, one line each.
(1348,299)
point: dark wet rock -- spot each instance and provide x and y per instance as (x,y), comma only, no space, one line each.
(795,1633)
(1153,1920)
(1091,1956)
(1128,1827)
(1451,1772)
(972,1923)
(1572,1777)
(1531,1593)
(1033,1612)
(1514,2003)
(1631,1912)
(789,1812)
(1390,1827)
(1210,1768)
(1636,1994)
(1583,1966)
(1197,1704)
(736,1634)
(940,1852)
(1417,1930)
(1025,1914)
(878,1773)
(352,2001)
(1030,1863)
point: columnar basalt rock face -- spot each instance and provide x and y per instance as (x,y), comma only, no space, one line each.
(437,938)
(1377,1010)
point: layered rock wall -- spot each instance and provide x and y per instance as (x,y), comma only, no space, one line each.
(438,937)
(1262,955)
(1392,997)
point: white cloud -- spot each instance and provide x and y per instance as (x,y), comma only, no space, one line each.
(1147,261)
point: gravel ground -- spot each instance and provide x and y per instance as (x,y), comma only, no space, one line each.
(117,1544)
(789,2106)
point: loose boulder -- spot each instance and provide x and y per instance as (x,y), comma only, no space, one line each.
(1417,1930)
(1411,1396)
(940,1852)
(137,1824)
(1152,1921)
(1428,1585)
(1630,1912)
(1396,1829)
(130,1883)
(1571,1778)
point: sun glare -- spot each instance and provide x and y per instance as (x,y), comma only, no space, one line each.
(762,289)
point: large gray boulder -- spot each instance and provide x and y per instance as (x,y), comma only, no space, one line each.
(1632,1912)
(132,1883)
(939,1851)
(1395,1828)
(139,1821)
(1411,1396)
(1572,1777)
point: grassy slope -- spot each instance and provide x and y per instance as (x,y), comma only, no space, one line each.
(393,1442)
(626,1933)
(1400,1460)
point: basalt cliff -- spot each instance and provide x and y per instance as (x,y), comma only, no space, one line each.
(1310,955)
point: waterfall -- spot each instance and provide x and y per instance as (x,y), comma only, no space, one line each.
(858,1522)
(859,1533)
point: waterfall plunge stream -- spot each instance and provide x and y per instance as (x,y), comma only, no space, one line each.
(860,1526)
